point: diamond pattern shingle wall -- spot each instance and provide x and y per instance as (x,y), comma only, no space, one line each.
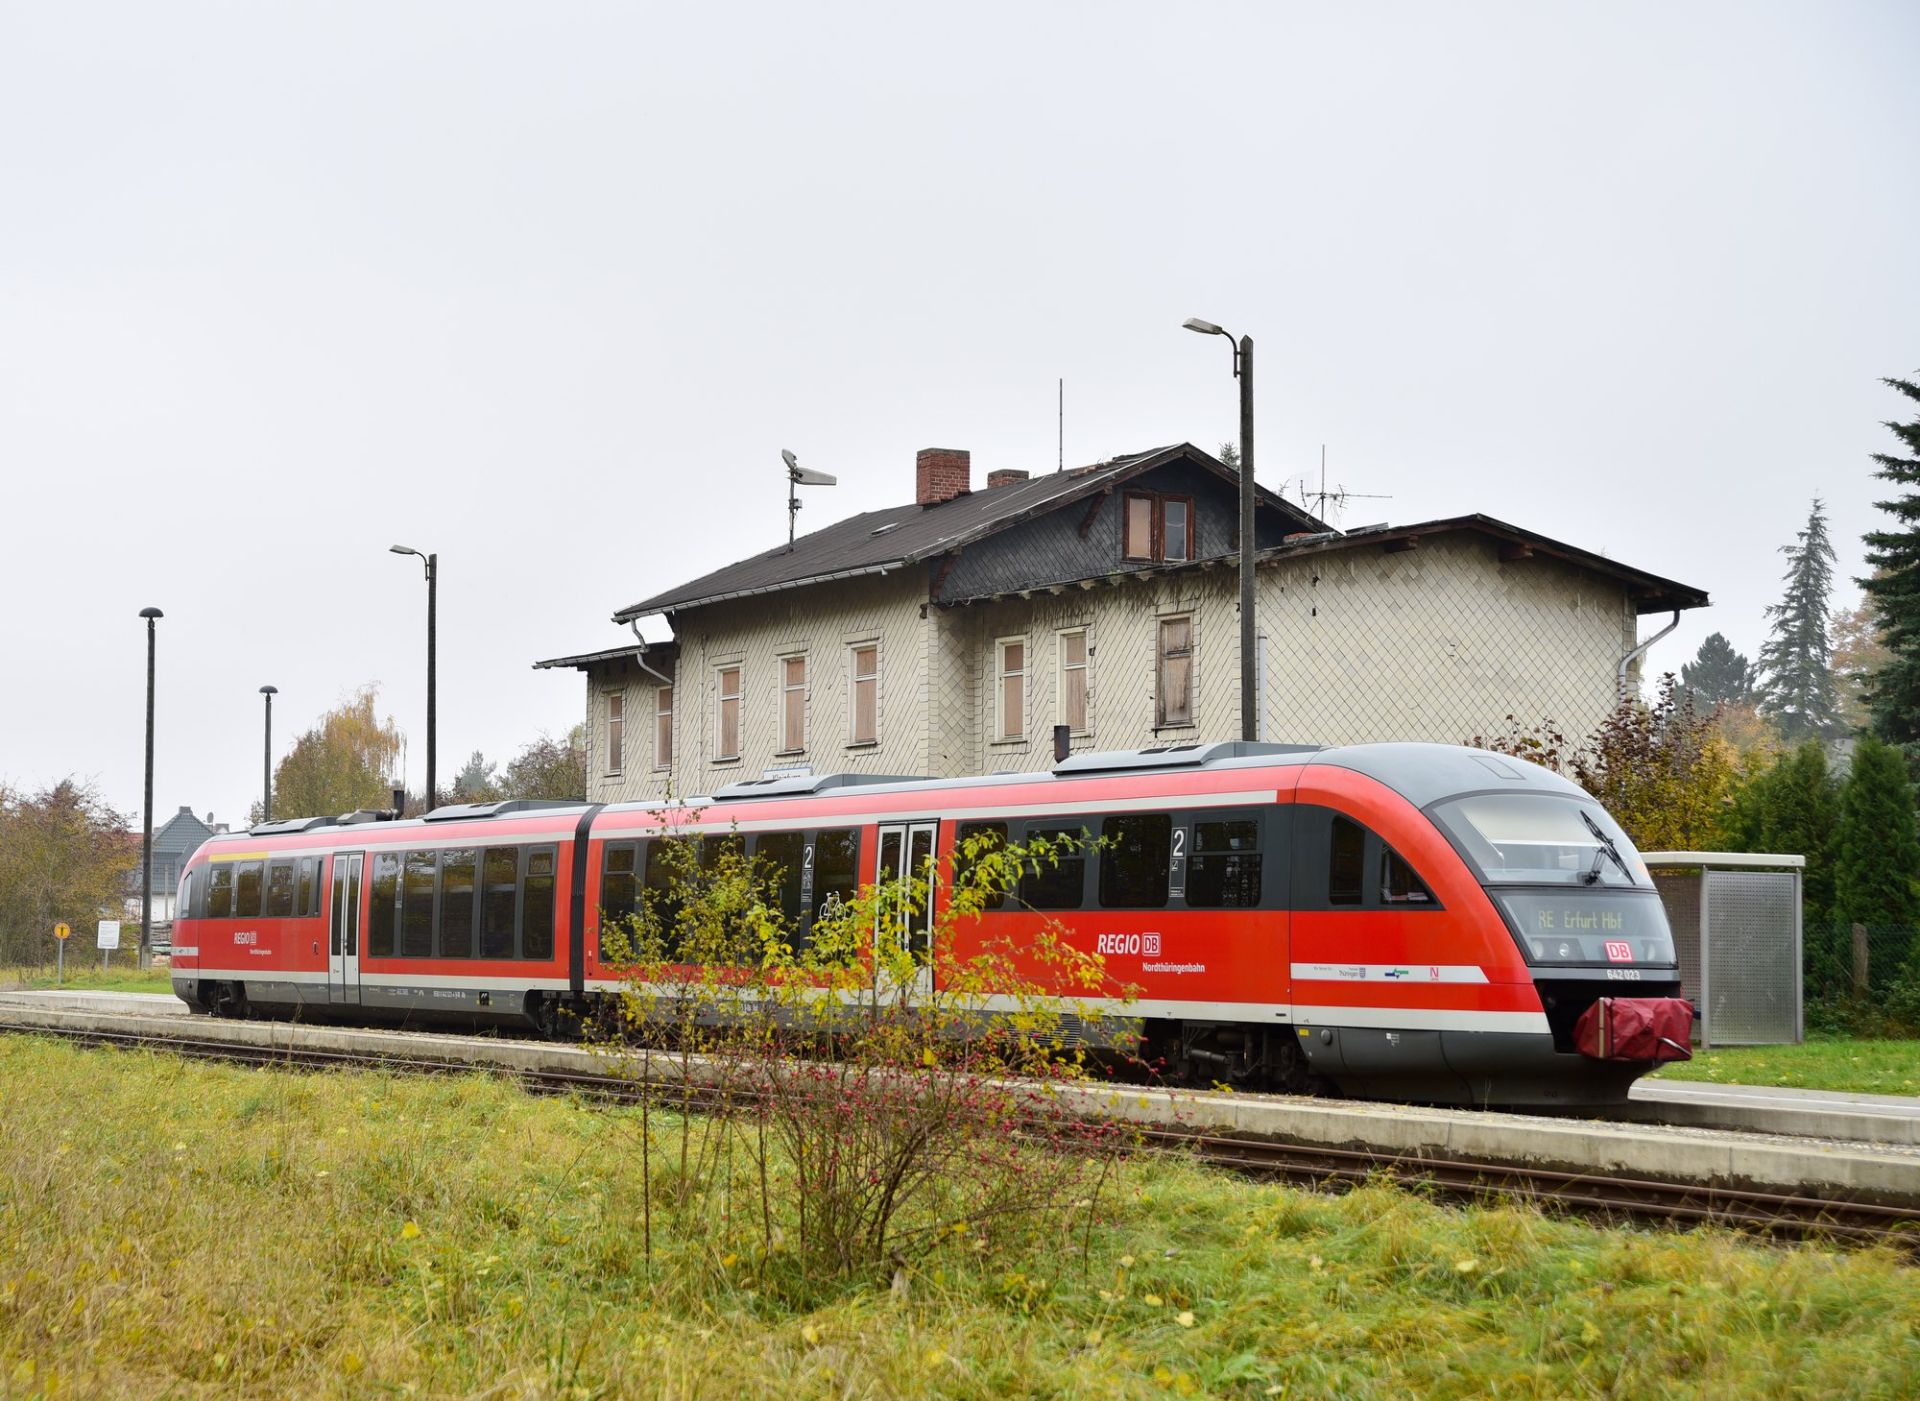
(1436,643)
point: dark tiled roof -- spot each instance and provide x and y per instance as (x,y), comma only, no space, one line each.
(584,660)
(878,541)
(1650,593)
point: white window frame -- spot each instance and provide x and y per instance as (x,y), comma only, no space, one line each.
(1193,673)
(663,760)
(720,699)
(1000,677)
(1085,668)
(854,679)
(787,689)
(616,725)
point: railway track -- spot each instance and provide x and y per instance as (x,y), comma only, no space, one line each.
(1612,1197)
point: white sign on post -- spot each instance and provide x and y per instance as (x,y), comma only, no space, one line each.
(109,934)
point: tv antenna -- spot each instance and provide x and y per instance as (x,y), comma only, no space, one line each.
(1338,496)
(797,477)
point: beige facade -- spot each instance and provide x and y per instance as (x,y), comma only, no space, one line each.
(1438,642)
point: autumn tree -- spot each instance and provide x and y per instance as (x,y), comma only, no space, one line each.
(1660,770)
(1796,662)
(548,768)
(65,856)
(1859,651)
(345,762)
(1893,554)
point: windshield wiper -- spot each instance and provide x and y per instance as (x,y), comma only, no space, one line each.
(1607,850)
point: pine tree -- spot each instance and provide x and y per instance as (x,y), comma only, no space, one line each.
(1718,675)
(1879,850)
(1796,690)
(1793,807)
(475,782)
(1893,693)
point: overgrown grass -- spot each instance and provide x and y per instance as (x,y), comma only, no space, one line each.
(1859,1066)
(82,972)
(176,1228)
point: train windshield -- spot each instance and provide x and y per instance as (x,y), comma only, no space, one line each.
(1540,839)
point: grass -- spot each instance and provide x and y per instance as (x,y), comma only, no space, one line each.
(83,970)
(1847,1064)
(183,1229)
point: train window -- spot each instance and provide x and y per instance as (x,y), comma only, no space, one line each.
(985,838)
(246,888)
(279,888)
(456,902)
(536,934)
(416,905)
(618,889)
(499,890)
(1346,862)
(712,847)
(220,891)
(1400,884)
(1224,870)
(780,859)
(1133,861)
(385,904)
(1057,881)
(306,895)
(836,869)
(665,870)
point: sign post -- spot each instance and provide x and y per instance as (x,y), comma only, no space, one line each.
(60,934)
(109,940)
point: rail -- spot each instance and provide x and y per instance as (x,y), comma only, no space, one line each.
(1613,1197)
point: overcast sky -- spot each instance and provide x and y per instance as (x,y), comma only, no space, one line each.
(547,287)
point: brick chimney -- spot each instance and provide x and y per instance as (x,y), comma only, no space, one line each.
(940,474)
(1006,476)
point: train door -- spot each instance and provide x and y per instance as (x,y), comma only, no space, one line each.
(906,851)
(343,931)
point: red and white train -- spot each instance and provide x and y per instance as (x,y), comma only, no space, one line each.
(1406,920)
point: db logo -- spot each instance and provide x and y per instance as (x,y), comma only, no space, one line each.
(1150,945)
(1619,951)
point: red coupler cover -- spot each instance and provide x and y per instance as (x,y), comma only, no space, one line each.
(1636,1028)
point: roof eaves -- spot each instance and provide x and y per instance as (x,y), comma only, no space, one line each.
(1653,590)
(668,604)
(582,660)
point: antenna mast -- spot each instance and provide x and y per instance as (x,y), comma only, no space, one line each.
(1061,465)
(797,477)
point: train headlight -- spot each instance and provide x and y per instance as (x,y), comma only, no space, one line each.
(1539,949)
(1565,950)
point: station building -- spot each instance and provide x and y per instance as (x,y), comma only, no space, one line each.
(950,635)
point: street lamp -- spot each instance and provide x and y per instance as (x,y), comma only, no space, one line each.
(1249,634)
(433,584)
(146,840)
(266,762)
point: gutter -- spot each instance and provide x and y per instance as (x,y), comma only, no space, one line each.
(1620,677)
(640,657)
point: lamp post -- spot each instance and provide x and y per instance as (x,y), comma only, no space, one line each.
(266,760)
(433,585)
(146,816)
(1249,634)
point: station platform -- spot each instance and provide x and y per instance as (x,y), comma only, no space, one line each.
(1886,1172)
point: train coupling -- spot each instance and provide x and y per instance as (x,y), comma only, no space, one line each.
(1649,1030)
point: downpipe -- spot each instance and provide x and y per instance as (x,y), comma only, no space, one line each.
(1620,677)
